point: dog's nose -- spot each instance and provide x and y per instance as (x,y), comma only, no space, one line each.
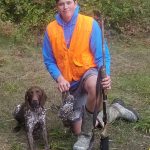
(35,103)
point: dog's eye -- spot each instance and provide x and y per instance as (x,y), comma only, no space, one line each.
(37,91)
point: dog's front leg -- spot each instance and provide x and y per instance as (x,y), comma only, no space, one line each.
(29,130)
(44,133)
(30,139)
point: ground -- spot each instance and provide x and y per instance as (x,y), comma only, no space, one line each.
(21,66)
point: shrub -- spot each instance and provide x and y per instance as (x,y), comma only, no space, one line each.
(28,14)
(118,13)
(35,14)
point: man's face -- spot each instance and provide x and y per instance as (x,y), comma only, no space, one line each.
(66,9)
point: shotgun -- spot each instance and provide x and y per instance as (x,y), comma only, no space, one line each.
(101,93)
(104,141)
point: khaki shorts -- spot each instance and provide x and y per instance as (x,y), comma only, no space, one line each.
(80,94)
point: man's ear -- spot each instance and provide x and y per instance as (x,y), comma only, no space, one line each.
(76,2)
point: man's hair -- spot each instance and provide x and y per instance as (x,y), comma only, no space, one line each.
(58,1)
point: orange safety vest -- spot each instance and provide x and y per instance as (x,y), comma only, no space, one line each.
(78,58)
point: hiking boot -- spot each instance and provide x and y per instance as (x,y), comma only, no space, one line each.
(118,110)
(83,142)
(85,138)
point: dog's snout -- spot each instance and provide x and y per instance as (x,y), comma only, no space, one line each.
(35,103)
(35,97)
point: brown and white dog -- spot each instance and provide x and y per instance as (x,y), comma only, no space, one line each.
(32,115)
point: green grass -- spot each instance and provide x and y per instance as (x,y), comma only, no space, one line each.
(21,66)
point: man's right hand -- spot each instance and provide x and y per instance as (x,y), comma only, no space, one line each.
(63,84)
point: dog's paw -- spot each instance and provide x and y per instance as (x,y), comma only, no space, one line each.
(47,147)
(16,129)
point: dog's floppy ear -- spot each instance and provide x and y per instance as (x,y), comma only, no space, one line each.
(27,98)
(43,98)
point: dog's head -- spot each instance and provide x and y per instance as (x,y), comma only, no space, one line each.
(35,97)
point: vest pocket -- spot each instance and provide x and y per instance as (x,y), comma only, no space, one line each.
(83,60)
(80,66)
(77,63)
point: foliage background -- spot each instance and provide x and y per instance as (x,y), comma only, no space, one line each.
(130,16)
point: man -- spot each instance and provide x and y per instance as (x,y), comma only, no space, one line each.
(72,52)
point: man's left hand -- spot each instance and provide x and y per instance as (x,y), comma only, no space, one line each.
(106,83)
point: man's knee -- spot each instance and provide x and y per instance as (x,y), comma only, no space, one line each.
(90,85)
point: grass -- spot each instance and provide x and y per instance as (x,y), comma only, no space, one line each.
(21,66)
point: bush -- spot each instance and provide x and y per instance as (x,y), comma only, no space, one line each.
(118,13)
(30,15)
(35,14)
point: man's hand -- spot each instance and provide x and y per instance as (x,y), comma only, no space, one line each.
(63,84)
(106,83)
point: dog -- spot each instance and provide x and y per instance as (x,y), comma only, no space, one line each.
(32,115)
